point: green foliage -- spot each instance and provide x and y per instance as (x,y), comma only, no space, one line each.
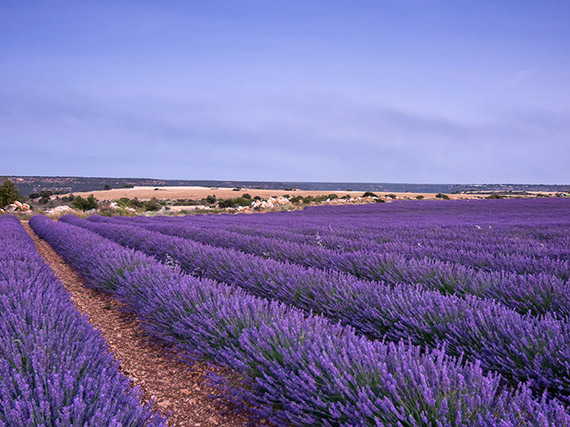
(442,196)
(379,200)
(307,200)
(419,197)
(8,193)
(232,203)
(321,198)
(296,199)
(494,196)
(152,205)
(369,194)
(185,202)
(346,197)
(125,202)
(240,201)
(226,203)
(246,196)
(257,198)
(333,196)
(84,204)
(392,196)
(210,199)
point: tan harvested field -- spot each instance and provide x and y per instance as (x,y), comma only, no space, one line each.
(196,193)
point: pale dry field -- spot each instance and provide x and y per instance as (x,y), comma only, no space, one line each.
(196,193)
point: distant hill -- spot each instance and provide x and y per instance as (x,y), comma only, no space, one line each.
(36,184)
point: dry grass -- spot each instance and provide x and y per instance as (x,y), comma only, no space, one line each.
(196,193)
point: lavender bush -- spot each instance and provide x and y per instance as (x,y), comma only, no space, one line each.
(55,369)
(297,369)
(538,292)
(521,348)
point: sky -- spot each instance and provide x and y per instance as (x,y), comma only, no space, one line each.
(267,90)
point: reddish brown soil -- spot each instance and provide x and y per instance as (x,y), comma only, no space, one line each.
(176,387)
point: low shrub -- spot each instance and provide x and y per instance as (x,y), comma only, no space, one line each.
(152,205)
(84,204)
(495,196)
(296,199)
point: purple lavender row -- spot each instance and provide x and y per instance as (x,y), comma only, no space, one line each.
(316,255)
(524,221)
(501,257)
(417,216)
(472,239)
(444,213)
(521,348)
(554,241)
(521,257)
(537,294)
(364,225)
(55,369)
(297,369)
(521,212)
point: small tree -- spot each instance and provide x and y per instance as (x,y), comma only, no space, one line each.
(84,204)
(8,193)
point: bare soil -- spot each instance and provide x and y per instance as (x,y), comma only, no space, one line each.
(177,387)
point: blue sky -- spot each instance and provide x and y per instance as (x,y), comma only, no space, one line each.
(364,91)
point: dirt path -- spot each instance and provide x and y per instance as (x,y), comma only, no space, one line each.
(177,388)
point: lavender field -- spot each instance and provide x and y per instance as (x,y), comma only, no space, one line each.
(54,367)
(407,313)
